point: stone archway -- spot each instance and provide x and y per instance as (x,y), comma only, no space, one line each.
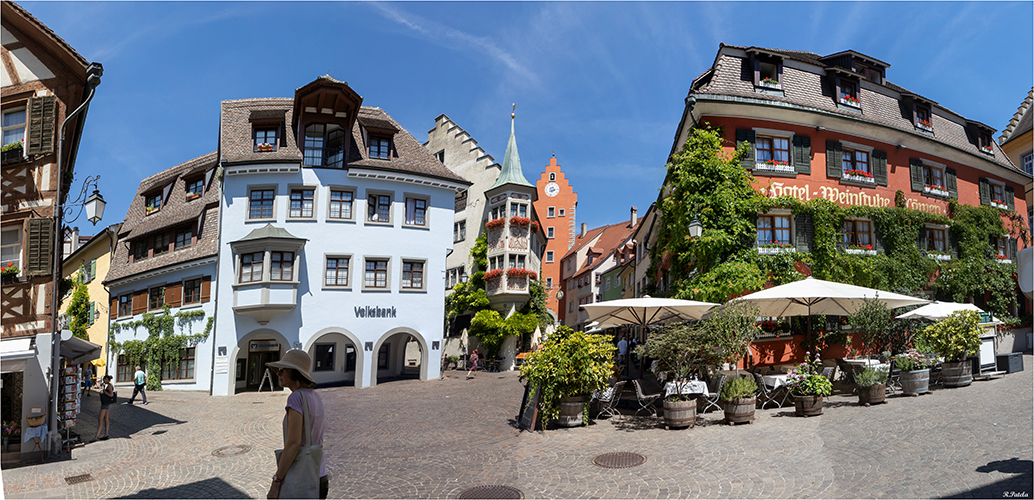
(341,341)
(242,349)
(397,339)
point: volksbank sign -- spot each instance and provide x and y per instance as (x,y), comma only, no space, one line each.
(375,312)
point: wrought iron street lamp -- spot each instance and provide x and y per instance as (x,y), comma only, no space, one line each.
(695,228)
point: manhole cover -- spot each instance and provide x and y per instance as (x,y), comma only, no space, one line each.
(79,479)
(229,451)
(619,460)
(492,491)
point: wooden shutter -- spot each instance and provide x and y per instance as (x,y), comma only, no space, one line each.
(953,243)
(834,160)
(93,311)
(757,69)
(985,191)
(1012,249)
(749,159)
(915,168)
(206,289)
(140,301)
(803,232)
(41,246)
(42,111)
(174,294)
(754,221)
(1010,197)
(802,154)
(878,243)
(113,312)
(951,178)
(879,167)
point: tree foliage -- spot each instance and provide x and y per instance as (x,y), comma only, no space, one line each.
(872,321)
(162,346)
(956,336)
(569,363)
(79,309)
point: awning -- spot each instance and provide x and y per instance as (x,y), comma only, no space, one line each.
(98,362)
(78,350)
(15,354)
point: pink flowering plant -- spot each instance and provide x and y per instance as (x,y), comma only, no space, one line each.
(924,123)
(12,429)
(860,247)
(783,163)
(911,361)
(849,99)
(775,244)
(807,379)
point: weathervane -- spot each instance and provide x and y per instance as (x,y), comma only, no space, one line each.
(513,114)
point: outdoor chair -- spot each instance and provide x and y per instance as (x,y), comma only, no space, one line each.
(767,395)
(848,370)
(646,401)
(609,398)
(714,389)
(893,378)
(828,373)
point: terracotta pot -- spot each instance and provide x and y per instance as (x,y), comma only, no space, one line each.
(808,406)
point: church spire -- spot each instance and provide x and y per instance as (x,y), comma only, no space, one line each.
(511,172)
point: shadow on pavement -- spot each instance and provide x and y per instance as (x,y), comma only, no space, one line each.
(1019,486)
(125,419)
(208,488)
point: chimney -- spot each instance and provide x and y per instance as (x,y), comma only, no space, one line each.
(585,229)
(634,214)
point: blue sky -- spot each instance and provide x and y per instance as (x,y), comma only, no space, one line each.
(601,84)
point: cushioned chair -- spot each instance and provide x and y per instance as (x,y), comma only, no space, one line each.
(646,400)
(609,398)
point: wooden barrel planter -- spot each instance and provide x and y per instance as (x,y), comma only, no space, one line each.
(872,395)
(808,406)
(739,410)
(915,382)
(571,411)
(957,374)
(680,414)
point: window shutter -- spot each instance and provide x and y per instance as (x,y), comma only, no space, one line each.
(985,191)
(841,246)
(113,311)
(93,310)
(803,231)
(140,301)
(1010,197)
(879,167)
(174,294)
(41,246)
(754,221)
(206,289)
(41,125)
(953,244)
(915,167)
(878,243)
(921,241)
(748,160)
(802,154)
(834,161)
(757,70)
(1012,248)
(951,178)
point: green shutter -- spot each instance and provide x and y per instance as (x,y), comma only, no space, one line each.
(749,158)
(915,167)
(878,243)
(879,167)
(803,232)
(1012,249)
(802,154)
(93,308)
(41,122)
(953,244)
(754,221)
(40,247)
(951,178)
(834,160)
(985,191)
(1010,197)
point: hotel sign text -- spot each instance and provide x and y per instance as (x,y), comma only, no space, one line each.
(845,196)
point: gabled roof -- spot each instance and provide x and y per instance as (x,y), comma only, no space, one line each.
(24,21)
(610,237)
(511,172)
(1021,121)
(268,231)
(110,231)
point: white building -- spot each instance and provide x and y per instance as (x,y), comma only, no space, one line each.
(332,242)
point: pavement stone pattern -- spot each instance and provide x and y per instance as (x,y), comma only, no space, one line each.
(435,439)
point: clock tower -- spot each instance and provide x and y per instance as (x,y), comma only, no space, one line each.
(555,208)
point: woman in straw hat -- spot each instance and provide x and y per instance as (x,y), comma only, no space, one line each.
(293,370)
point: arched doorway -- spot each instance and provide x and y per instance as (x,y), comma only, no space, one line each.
(249,358)
(389,360)
(337,358)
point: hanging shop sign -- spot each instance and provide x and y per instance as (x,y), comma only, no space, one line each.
(264,346)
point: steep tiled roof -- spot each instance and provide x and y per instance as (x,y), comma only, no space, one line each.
(731,76)
(175,210)
(613,235)
(1021,121)
(235,140)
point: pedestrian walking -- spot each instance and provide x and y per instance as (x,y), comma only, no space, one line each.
(301,457)
(140,382)
(473,364)
(107,399)
(87,379)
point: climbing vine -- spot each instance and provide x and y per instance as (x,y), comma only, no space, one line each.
(162,346)
(79,309)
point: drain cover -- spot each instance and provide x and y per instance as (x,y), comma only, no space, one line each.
(79,479)
(229,451)
(619,460)
(492,491)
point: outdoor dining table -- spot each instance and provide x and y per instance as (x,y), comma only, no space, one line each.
(775,380)
(874,363)
(696,387)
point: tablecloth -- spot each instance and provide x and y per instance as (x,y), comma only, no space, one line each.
(688,387)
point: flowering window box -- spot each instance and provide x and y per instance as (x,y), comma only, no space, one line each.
(264,148)
(775,166)
(516,272)
(774,249)
(520,221)
(867,250)
(924,125)
(936,191)
(496,223)
(850,101)
(987,150)
(1004,260)
(859,176)
(999,204)
(493,274)
(944,257)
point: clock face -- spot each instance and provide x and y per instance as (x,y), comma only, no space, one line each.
(552,189)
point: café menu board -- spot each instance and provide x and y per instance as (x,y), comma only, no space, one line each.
(528,417)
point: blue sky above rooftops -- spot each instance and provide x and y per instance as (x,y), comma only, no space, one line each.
(600,84)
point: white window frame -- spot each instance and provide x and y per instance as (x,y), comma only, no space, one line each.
(410,197)
(18,230)
(1027,162)
(561,212)
(550,233)
(777,134)
(290,193)
(348,273)
(550,212)
(549,256)
(24,125)
(264,187)
(944,178)
(459,231)
(344,189)
(991,183)
(549,283)
(391,207)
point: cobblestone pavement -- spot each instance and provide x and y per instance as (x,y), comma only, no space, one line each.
(413,439)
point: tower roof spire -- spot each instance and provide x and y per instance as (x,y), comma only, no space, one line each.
(511,172)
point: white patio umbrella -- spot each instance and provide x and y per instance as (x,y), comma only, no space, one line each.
(939,310)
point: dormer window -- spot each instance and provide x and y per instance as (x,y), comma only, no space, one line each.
(265,139)
(153,203)
(868,72)
(767,69)
(324,145)
(195,188)
(380,147)
(848,92)
(922,118)
(985,143)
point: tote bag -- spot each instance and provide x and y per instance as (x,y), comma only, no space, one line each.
(303,478)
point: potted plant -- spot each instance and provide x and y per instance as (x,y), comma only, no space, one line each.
(769,81)
(264,147)
(12,153)
(955,337)
(738,399)
(568,366)
(9,273)
(915,373)
(452,361)
(11,431)
(808,387)
(676,347)
(872,386)
(496,223)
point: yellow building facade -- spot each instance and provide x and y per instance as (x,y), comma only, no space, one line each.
(90,263)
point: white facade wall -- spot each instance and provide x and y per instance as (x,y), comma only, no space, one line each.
(331,315)
(202,352)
